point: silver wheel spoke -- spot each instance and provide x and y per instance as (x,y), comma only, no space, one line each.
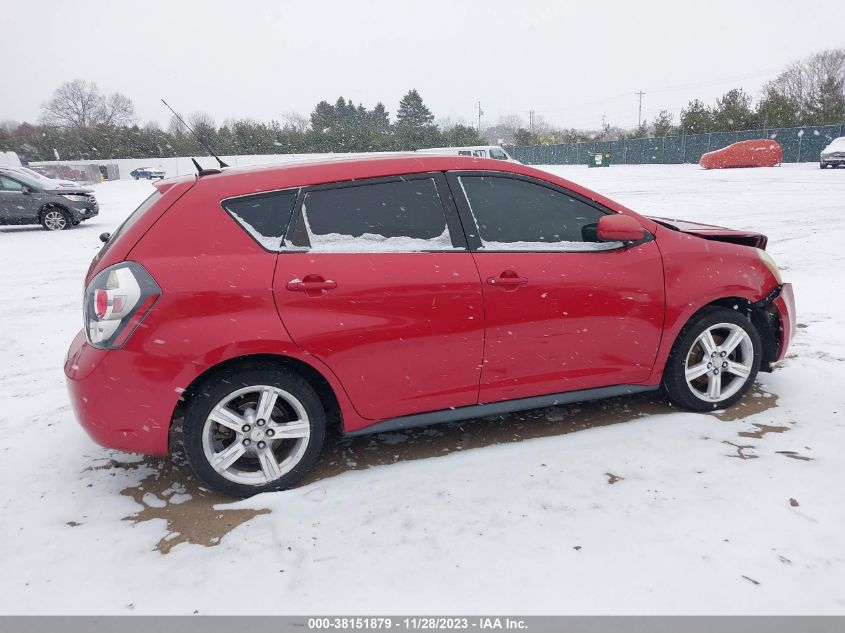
(228,418)
(266,404)
(714,386)
(228,456)
(737,369)
(269,465)
(291,430)
(732,341)
(707,342)
(697,370)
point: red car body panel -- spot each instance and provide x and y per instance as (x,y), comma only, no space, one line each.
(581,320)
(402,333)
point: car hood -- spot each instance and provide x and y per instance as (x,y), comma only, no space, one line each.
(74,190)
(716,233)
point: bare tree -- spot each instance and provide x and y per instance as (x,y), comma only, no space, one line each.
(80,103)
(807,82)
(296,121)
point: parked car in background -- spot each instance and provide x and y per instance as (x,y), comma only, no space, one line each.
(478,151)
(834,154)
(46,181)
(393,292)
(147,172)
(26,200)
(9,159)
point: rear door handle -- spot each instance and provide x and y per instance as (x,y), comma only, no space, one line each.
(311,284)
(507,279)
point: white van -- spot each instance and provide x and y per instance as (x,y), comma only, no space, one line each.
(9,159)
(479,151)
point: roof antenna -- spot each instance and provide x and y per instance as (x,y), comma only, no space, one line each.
(199,140)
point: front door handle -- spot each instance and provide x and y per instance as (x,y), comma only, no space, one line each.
(507,279)
(311,285)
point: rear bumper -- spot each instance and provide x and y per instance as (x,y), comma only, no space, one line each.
(117,400)
(785,305)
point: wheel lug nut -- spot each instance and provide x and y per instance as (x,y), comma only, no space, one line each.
(246,442)
(725,364)
(261,445)
(245,428)
(270,432)
(724,354)
(260,423)
(709,365)
(716,372)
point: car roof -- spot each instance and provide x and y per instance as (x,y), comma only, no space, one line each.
(323,170)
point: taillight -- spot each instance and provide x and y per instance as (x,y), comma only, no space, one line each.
(116,301)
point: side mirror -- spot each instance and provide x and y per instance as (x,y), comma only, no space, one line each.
(619,228)
(104,237)
(25,190)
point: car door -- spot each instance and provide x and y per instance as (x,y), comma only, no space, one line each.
(563,312)
(375,280)
(16,206)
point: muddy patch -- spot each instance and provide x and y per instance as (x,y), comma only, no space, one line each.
(795,455)
(612,479)
(754,402)
(763,429)
(740,450)
(172,493)
(341,454)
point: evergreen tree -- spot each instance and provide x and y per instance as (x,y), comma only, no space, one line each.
(696,118)
(412,112)
(663,123)
(777,109)
(733,111)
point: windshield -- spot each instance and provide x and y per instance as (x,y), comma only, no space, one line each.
(498,154)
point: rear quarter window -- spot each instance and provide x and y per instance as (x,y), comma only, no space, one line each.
(265,217)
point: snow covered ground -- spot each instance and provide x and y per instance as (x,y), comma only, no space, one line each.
(627,506)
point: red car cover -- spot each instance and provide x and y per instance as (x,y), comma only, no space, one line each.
(759,153)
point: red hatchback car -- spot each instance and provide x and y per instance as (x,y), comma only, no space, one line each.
(238,313)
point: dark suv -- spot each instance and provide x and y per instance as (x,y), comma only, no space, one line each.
(25,201)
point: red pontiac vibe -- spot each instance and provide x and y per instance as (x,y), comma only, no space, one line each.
(238,313)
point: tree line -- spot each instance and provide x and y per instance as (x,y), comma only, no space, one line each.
(810,91)
(79,122)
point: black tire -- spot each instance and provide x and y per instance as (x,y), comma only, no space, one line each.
(220,386)
(686,347)
(55,219)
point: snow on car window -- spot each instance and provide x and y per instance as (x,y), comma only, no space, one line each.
(395,216)
(265,216)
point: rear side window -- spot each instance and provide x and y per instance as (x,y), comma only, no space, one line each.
(395,217)
(514,214)
(265,216)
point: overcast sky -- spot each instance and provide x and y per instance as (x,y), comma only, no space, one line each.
(571,62)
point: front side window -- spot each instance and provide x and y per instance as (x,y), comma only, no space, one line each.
(394,217)
(7,184)
(514,214)
(498,154)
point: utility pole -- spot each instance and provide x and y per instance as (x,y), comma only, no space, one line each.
(603,117)
(480,112)
(640,115)
(531,121)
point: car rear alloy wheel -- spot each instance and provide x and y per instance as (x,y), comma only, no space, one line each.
(55,220)
(255,435)
(253,431)
(714,361)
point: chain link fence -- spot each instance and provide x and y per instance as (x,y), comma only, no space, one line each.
(800,144)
